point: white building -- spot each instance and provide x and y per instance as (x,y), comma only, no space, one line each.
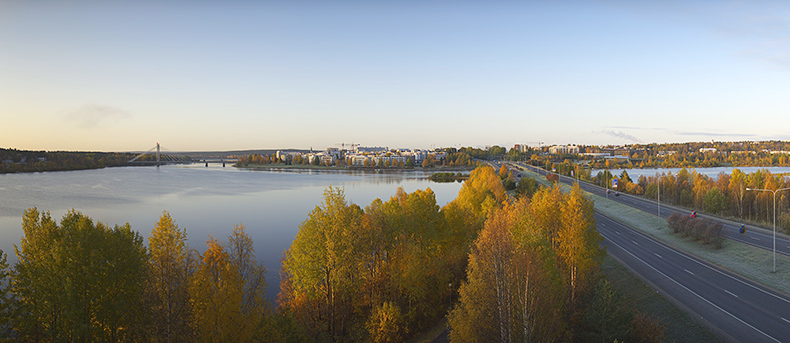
(564,149)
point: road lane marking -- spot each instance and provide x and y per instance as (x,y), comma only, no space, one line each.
(688,271)
(617,232)
(635,242)
(731,293)
(783,318)
(659,256)
(692,292)
(688,257)
(754,238)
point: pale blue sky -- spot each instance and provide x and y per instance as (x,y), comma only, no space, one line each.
(120,76)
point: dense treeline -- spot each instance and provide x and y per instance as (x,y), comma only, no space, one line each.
(80,281)
(385,272)
(533,276)
(504,269)
(19,161)
(521,269)
(670,155)
(727,195)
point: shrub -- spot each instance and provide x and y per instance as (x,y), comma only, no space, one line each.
(674,222)
(709,231)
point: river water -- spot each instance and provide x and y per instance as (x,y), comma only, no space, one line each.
(271,204)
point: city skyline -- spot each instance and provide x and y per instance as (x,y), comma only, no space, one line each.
(246,75)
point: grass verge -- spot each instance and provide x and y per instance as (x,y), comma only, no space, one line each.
(743,259)
(680,326)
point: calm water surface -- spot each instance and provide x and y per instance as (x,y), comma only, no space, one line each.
(271,204)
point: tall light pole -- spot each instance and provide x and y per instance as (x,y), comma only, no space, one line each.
(658,180)
(774,192)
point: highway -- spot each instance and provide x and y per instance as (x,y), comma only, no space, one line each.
(742,311)
(755,237)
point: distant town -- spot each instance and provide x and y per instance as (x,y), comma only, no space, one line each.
(693,154)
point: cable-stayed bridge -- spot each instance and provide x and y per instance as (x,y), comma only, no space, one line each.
(154,156)
(160,156)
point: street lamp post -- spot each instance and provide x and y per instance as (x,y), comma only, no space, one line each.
(658,180)
(774,192)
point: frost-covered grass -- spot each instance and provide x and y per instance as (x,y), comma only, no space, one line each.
(752,262)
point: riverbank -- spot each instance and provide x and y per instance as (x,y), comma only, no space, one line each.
(353,168)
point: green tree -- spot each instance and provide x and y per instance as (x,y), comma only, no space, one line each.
(36,279)
(78,281)
(526,187)
(252,275)
(607,318)
(5,299)
(714,201)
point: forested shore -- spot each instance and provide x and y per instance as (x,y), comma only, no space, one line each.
(512,267)
(23,161)
(737,195)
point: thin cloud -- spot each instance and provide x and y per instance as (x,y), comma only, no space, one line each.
(713,134)
(621,134)
(91,115)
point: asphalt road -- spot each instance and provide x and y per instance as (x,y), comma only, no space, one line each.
(755,237)
(741,310)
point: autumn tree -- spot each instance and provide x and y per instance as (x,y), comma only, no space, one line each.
(319,267)
(503,172)
(216,293)
(513,291)
(171,266)
(578,242)
(387,324)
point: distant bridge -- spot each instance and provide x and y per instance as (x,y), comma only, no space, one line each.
(158,158)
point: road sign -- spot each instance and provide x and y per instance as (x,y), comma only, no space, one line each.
(614,183)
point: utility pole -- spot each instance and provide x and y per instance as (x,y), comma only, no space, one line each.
(157,154)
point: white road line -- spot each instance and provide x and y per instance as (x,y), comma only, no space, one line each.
(659,256)
(617,232)
(688,271)
(635,242)
(686,255)
(783,318)
(754,238)
(692,292)
(731,293)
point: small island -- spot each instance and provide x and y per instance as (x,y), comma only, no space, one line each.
(448,177)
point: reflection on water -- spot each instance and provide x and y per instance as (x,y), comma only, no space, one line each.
(270,203)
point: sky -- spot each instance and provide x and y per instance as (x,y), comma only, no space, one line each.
(230,75)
